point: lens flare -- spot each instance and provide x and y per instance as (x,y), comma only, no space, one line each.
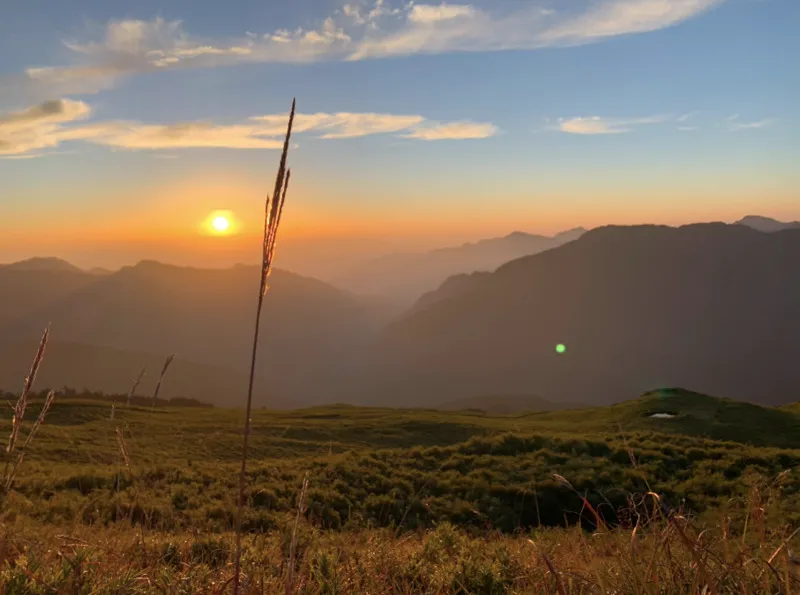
(561,348)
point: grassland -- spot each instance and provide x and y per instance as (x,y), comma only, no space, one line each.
(413,501)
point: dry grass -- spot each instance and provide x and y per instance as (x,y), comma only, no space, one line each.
(662,555)
(167,363)
(11,464)
(272,219)
(136,382)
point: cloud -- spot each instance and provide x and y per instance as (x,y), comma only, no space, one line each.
(598,125)
(343,125)
(427,14)
(24,156)
(37,127)
(735,125)
(618,17)
(358,31)
(687,128)
(686,117)
(453,131)
(185,135)
(54,122)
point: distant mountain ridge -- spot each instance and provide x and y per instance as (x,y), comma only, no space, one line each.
(714,307)
(406,276)
(48,264)
(312,332)
(767,224)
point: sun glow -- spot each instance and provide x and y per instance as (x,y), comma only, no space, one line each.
(220,223)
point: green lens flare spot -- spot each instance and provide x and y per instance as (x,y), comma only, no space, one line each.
(561,348)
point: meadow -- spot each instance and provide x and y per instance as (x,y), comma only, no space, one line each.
(345,499)
(674,492)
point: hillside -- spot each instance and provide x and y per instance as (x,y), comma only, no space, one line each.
(313,333)
(380,467)
(24,290)
(712,307)
(406,276)
(418,495)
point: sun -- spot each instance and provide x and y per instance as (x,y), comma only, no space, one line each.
(221,223)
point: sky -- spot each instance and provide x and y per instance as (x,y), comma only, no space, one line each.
(123,126)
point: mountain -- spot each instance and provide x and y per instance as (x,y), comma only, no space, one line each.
(312,333)
(30,286)
(406,276)
(712,307)
(40,264)
(767,224)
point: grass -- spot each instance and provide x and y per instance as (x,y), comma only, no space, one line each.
(272,219)
(389,489)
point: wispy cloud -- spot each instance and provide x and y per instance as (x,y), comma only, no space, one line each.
(735,125)
(454,131)
(599,125)
(24,156)
(341,125)
(686,117)
(356,32)
(52,123)
(426,14)
(39,126)
(687,128)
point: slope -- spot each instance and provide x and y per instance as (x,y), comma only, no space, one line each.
(406,276)
(24,290)
(712,307)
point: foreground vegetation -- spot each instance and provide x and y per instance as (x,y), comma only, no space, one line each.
(409,501)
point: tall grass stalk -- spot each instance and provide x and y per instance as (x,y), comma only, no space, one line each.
(136,382)
(21,405)
(167,364)
(292,562)
(272,219)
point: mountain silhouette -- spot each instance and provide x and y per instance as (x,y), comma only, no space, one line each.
(311,331)
(713,307)
(42,264)
(767,224)
(25,289)
(404,277)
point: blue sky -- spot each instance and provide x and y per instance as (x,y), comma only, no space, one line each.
(426,119)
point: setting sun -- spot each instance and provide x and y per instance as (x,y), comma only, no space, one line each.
(221,223)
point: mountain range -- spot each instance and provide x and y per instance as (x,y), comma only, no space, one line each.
(312,330)
(404,277)
(713,307)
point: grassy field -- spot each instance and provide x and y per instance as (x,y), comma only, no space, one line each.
(413,501)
